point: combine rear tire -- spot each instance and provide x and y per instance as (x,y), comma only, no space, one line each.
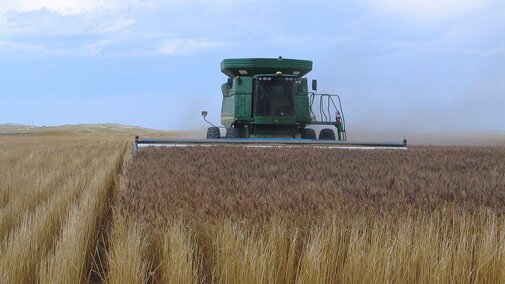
(308,133)
(327,134)
(234,132)
(213,133)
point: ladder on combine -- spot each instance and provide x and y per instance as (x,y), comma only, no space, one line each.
(327,106)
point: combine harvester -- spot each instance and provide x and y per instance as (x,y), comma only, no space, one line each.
(267,103)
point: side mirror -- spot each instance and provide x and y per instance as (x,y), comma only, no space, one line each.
(314,85)
(230,83)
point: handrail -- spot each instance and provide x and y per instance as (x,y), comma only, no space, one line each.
(326,102)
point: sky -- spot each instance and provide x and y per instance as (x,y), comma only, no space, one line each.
(423,65)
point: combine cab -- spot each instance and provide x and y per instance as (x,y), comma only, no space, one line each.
(267,102)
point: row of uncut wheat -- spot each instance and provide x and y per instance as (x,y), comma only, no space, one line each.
(53,195)
(443,247)
(430,215)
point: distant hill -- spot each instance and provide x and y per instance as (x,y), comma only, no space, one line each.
(107,128)
(13,128)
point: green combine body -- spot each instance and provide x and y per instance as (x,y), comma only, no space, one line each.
(269,97)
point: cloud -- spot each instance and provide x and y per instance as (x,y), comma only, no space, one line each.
(490,52)
(500,50)
(429,11)
(63,7)
(45,32)
(98,46)
(186,46)
(12,47)
(74,7)
(95,27)
(45,22)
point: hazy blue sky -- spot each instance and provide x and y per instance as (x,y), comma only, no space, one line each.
(421,64)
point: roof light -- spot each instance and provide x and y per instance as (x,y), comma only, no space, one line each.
(242,72)
(296,73)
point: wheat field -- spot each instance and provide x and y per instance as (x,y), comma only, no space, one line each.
(259,215)
(82,209)
(55,194)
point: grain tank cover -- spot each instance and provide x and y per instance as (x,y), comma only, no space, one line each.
(254,66)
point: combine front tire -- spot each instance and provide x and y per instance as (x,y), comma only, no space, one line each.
(234,132)
(308,133)
(213,133)
(327,134)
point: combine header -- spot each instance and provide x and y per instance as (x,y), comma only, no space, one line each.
(267,103)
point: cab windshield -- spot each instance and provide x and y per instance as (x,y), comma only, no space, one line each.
(274,96)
